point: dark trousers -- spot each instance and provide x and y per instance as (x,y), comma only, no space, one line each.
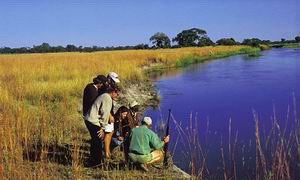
(126,148)
(96,143)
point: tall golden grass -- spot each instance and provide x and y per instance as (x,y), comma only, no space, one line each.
(40,96)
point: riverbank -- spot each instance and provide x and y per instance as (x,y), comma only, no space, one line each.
(40,94)
(285,45)
(199,58)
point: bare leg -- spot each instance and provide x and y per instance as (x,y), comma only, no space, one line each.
(107,140)
(157,156)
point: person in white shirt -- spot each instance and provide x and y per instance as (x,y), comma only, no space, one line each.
(100,116)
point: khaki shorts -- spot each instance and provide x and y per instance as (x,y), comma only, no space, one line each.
(140,158)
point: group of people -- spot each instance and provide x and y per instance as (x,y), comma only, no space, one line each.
(108,129)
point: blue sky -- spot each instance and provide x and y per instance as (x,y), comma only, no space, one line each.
(131,22)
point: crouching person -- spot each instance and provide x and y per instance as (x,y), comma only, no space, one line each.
(145,146)
(119,124)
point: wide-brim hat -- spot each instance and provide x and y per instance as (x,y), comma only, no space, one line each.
(132,104)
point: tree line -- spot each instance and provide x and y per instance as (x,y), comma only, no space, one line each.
(186,38)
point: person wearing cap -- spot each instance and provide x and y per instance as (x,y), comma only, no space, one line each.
(145,146)
(133,115)
(130,122)
(112,81)
(100,124)
(113,77)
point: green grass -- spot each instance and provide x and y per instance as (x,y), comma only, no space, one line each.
(194,59)
(286,45)
(291,45)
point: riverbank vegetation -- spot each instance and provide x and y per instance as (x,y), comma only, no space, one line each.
(195,58)
(286,45)
(41,130)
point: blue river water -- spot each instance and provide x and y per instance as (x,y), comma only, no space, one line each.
(230,88)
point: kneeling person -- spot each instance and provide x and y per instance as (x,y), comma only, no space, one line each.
(145,146)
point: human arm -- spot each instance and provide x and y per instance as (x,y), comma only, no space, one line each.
(155,141)
(166,139)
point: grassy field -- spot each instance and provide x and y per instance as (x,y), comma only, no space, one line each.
(41,130)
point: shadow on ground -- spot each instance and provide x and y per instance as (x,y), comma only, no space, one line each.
(57,153)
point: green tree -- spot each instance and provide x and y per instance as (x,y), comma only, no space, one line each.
(160,40)
(71,48)
(252,42)
(297,38)
(5,50)
(58,49)
(266,42)
(141,46)
(43,48)
(190,37)
(205,41)
(226,41)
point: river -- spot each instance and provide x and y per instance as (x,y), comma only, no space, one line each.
(230,88)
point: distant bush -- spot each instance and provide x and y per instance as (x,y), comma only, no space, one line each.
(252,42)
(226,41)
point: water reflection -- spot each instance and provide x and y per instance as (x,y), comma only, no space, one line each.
(165,74)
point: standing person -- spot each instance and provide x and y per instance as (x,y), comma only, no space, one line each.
(112,80)
(145,146)
(90,92)
(98,122)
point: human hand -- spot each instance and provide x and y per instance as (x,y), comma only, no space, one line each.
(166,139)
(120,138)
(100,133)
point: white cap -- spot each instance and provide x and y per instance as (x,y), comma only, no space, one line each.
(147,121)
(114,76)
(132,104)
